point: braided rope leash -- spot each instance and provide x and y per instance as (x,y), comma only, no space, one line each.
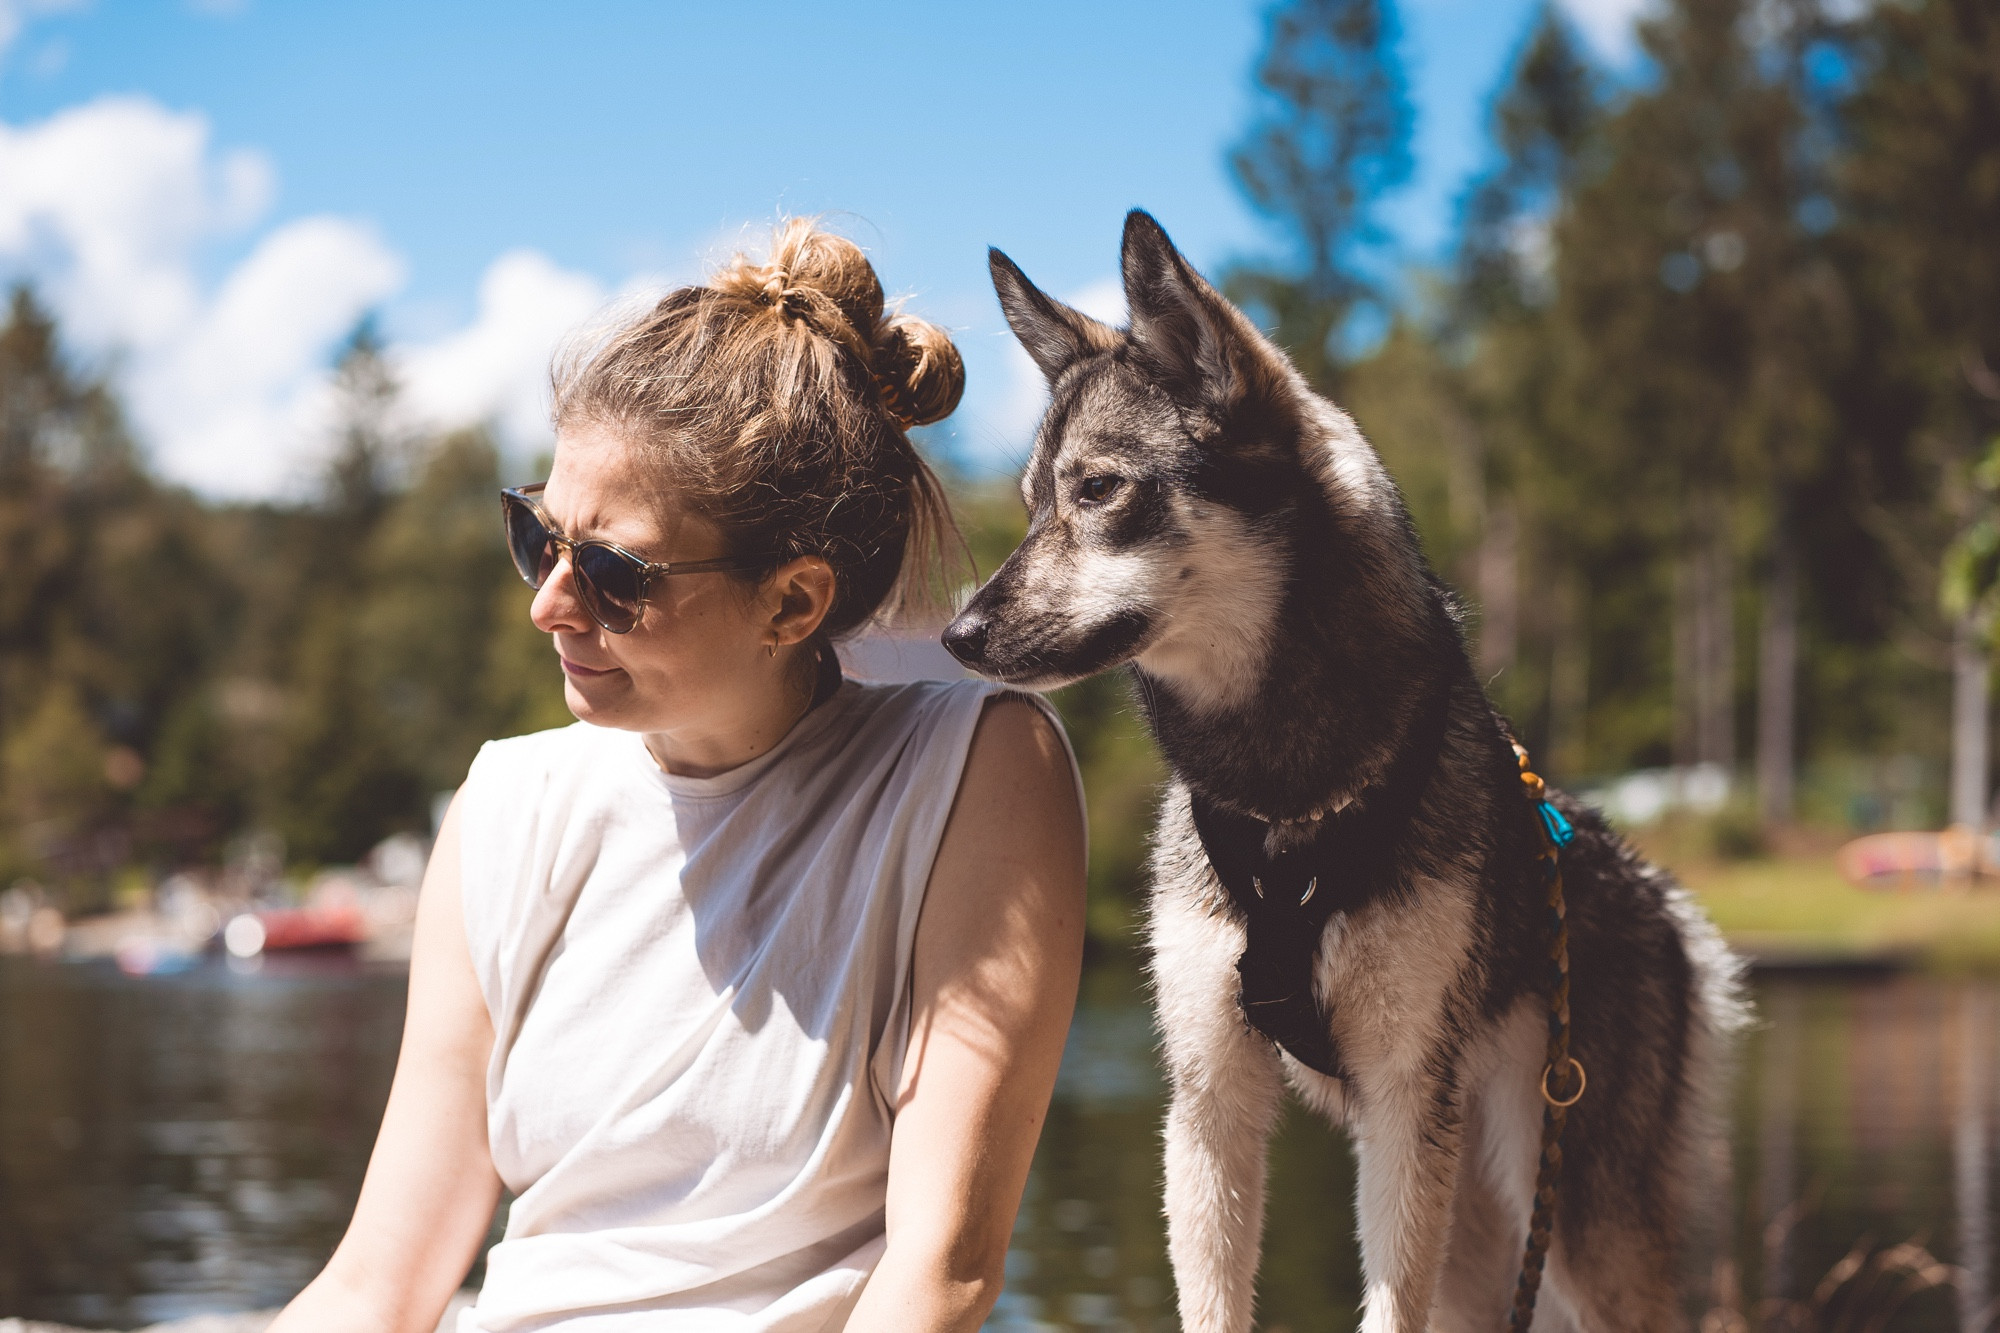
(1563,1080)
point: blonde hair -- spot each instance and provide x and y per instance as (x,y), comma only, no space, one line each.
(775,401)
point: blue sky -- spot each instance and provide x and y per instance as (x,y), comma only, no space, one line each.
(484,173)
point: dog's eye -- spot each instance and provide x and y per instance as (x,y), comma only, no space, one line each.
(1096,490)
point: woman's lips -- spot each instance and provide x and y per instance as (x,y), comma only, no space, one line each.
(583,672)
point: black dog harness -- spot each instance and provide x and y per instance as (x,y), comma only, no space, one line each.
(1286,900)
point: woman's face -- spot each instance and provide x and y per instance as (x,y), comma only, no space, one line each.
(699,662)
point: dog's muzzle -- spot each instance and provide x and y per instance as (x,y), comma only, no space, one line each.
(965,638)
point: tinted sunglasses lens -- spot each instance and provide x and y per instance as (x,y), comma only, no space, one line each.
(609,584)
(531,545)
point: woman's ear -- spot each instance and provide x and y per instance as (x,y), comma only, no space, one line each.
(800,596)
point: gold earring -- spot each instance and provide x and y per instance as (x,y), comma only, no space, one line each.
(771,648)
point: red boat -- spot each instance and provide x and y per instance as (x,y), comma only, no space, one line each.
(338,925)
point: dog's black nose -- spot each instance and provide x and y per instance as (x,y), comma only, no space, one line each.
(965,638)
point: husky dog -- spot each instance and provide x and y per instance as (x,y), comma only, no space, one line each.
(1346,898)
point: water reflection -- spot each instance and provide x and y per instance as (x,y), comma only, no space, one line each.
(171,1145)
(1972,1157)
(1865,1110)
(195,1142)
(1862,1108)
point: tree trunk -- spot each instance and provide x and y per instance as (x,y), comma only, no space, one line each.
(1705,641)
(1569,677)
(1777,683)
(1716,614)
(1685,659)
(1499,589)
(1969,706)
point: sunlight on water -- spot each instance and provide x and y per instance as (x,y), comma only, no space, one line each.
(189,1143)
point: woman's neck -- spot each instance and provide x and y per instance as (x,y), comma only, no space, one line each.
(753,729)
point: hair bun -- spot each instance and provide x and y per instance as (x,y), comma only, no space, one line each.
(919,371)
(826,281)
(812,275)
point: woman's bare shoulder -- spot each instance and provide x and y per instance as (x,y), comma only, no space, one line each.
(1018,738)
(1018,795)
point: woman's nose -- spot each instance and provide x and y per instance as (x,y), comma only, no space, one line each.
(556,605)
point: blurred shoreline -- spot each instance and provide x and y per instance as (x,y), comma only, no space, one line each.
(368,910)
(1789,910)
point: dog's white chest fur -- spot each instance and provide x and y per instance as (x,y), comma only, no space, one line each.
(1384,975)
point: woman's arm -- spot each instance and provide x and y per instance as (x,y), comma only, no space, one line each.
(998,951)
(428,1197)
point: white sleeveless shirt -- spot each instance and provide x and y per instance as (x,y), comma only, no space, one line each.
(700,999)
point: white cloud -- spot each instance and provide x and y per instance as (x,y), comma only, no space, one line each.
(104,205)
(110,207)
(236,396)
(1606,24)
(496,369)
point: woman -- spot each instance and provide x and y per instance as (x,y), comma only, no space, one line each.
(751,986)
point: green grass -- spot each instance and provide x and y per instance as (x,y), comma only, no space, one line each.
(1799,904)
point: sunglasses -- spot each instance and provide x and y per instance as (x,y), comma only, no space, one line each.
(610,580)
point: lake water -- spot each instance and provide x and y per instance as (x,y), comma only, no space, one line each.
(177,1144)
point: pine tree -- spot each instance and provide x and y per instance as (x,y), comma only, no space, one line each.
(1333,137)
(1922,191)
(341,780)
(369,449)
(1688,287)
(1544,122)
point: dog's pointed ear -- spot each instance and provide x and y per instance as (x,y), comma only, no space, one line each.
(1055,336)
(1208,354)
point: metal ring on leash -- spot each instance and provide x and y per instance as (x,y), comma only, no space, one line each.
(1582,1081)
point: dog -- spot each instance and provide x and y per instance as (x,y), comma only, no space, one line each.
(1203,519)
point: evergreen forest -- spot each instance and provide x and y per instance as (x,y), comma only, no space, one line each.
(1701,416)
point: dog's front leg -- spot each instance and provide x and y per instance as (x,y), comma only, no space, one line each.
(1407,1137)
(1226,1088)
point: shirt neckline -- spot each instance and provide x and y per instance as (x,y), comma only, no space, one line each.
(812,724)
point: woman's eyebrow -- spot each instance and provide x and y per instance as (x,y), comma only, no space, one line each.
(652,543)
(591,528)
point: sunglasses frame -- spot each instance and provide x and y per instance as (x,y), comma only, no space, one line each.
(645,570)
